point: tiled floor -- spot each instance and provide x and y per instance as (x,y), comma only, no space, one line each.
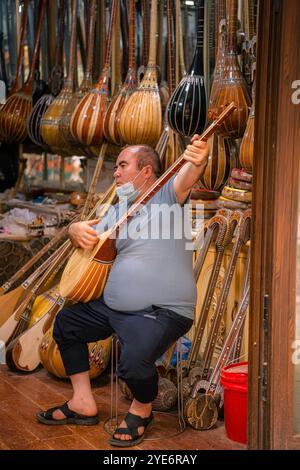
(21,396)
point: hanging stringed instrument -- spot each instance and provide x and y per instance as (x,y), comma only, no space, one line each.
(64,123)
(86,124)
(50,121)
(86,273)
(247,146)
(112,117)
(15,112)
(187,106)
(141,117)
(220,40)
(42,105)
(232,85)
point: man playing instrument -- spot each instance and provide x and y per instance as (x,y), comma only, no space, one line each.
(149,298)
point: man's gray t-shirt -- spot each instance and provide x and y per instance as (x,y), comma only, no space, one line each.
(153,266)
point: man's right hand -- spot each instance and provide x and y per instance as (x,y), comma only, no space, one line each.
(83,235)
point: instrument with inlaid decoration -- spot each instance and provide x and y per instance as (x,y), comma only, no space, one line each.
(235,194)
(86,273)
(19,320)
(87,119)
(242,235)
(40,108)
(187,106)
(15,112)
(112,118)
(74,148)
(141,117)
(50,121)
(201,409)
(232,85)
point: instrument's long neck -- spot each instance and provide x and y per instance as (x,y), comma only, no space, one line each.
(197,65)
(232,25)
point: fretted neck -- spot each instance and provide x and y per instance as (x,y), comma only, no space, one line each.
(180,39)
(21,45)
(170,45)
(115,4)
(90,41)
(42,10)
(146,34)
(132,34)
(232,25)
(169,173)
(92,187)
(59,57)
(220,15)
(200,25)
(251,19)
(153,30)
(70,81)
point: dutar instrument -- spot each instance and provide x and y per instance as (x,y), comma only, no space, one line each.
(87,119)
(141,117)
(232,85)
(16,110)
(247,146)
(187,106)
(112,118)
(86,273)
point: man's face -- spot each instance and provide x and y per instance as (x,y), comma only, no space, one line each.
(126,169)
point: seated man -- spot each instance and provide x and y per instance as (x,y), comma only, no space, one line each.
(149,297)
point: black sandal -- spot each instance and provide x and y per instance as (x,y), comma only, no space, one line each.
(46,417)
(133,423)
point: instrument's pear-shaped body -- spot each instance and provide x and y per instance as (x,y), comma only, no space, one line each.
(187,108)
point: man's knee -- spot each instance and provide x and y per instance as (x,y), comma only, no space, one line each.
(132,366)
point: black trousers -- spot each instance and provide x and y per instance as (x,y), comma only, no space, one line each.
(144,336)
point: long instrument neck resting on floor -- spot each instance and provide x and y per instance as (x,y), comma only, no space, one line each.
(167,175)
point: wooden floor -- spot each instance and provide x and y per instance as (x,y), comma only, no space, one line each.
(21,396)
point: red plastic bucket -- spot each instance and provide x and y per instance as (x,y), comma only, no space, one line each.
(234,379)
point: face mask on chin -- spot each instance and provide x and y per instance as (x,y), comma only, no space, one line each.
(127,191)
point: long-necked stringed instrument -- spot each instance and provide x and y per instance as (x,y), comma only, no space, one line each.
(87,119)
(187,106)
(141,117)
(50,121)
(232,85)
(247,146)
(64,124)
(42,105)
(86,273)
(15,112)
(112,118)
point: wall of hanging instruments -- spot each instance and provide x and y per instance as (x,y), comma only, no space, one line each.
(85,78)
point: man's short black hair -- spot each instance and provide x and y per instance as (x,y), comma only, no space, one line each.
(147,155)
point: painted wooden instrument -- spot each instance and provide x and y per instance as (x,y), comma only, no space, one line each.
(241,175)
(247,146)
(240,195)
(220,225)
(241,237)
(74,148)
(85,275)
(87,119)
(232,85)
(222,160)
(18,321)
(187,106)
(112,118)
(15,112)
(201,409)
(141,117)
(22,353)
(234,183)
(41,106)
(10,300)
(50,121)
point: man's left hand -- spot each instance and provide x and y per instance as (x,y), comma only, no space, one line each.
(197,152)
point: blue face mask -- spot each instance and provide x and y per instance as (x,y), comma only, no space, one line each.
(127,190)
